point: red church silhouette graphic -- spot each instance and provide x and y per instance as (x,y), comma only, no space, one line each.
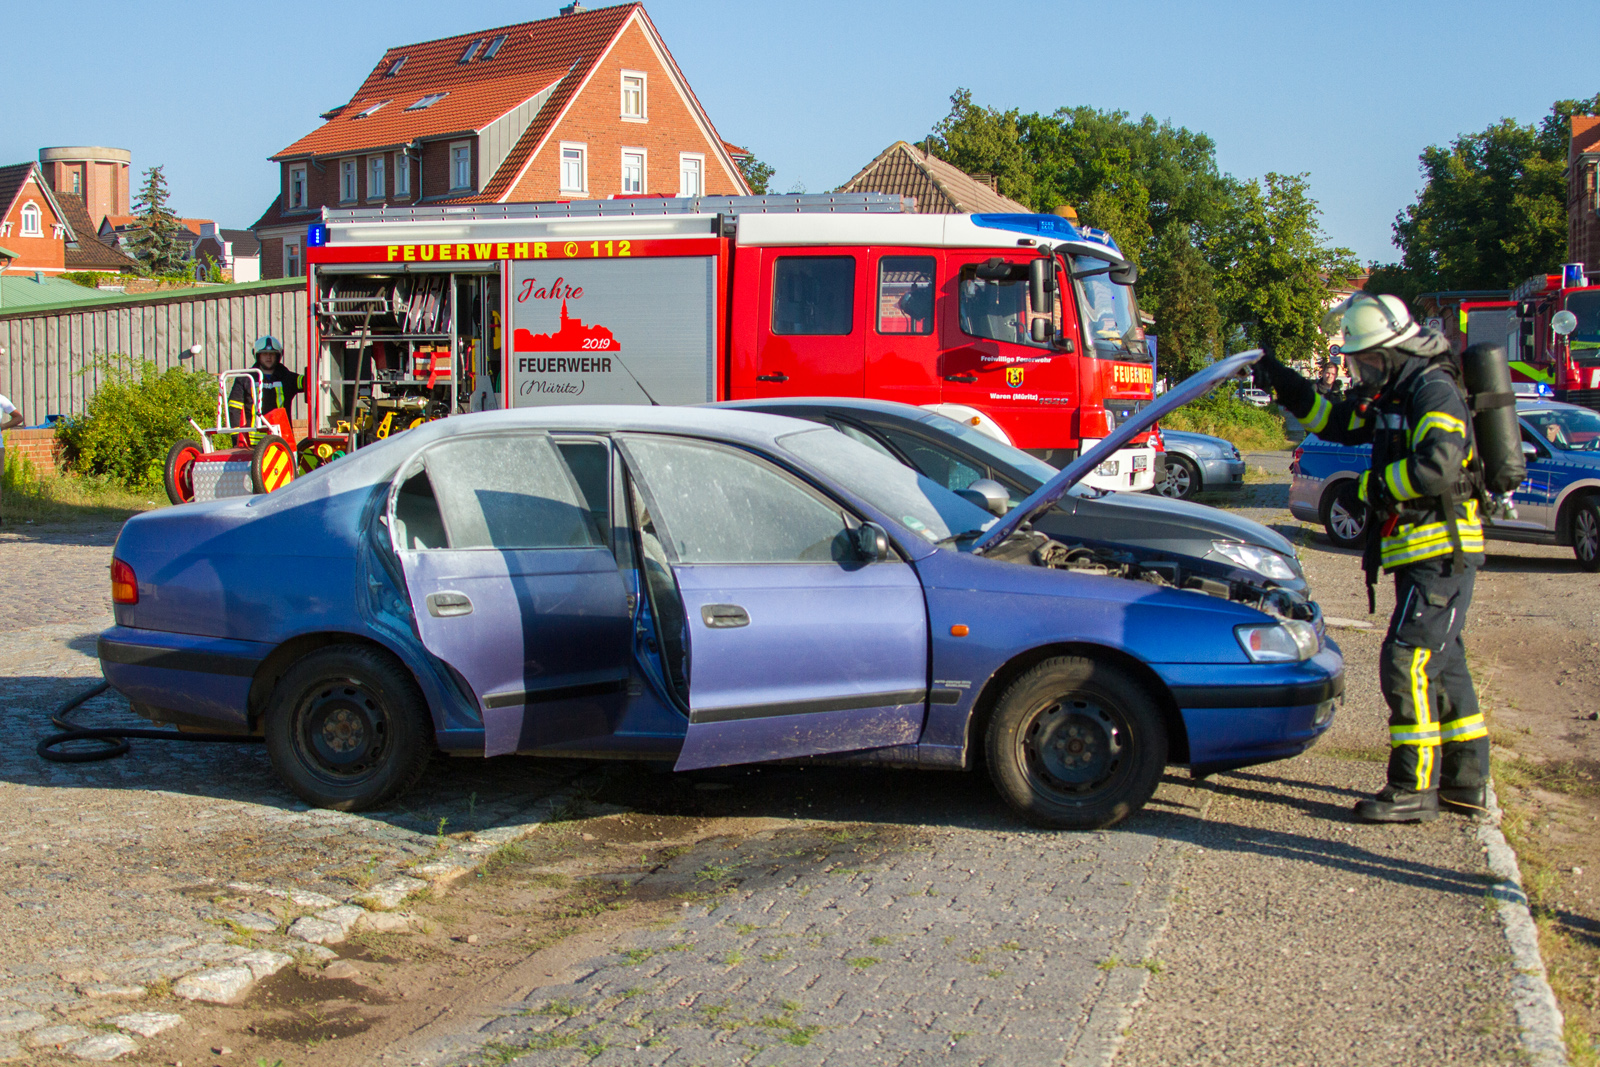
(573,337)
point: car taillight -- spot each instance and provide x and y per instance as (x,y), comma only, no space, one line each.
(1294,460)
(124,584)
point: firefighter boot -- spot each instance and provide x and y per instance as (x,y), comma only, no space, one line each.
(1394,804)
(1465,800)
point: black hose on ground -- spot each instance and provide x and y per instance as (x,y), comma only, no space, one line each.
(113,738)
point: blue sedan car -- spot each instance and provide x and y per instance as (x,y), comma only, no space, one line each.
(1199,463)
(1557,504)
(705,586)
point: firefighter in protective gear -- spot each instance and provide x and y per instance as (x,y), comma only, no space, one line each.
(279,385)
(1423,526)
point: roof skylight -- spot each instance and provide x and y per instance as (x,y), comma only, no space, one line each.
(427,101)
(494,46)
(394,68)
(370,111)
(472,51)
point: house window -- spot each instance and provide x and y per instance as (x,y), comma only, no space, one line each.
(347,179)
(691,170)
(375,182)
(77,183)
(394,68)
(297,187)
(461,165)
(632,170)
(572,168)
(291,259)
(495,46)
(633,95)
(427,101)
(472,51)
(402,174)
(32,220)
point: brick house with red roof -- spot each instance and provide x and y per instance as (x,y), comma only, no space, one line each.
(1583,193)
(32,223)
(586,105)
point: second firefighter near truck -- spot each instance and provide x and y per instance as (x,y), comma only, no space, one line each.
(1425,528)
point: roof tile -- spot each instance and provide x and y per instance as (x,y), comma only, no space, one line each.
(939,188)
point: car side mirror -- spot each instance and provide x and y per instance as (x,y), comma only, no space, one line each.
(1128,275)
(1040,330)
(1529,449)
(872,542)
(988,494)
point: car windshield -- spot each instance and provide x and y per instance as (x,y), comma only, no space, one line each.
(1111,313)
(1035,469)
(918,503)
(1566,429)
(1586,306)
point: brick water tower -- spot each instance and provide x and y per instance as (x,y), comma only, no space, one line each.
(98,175)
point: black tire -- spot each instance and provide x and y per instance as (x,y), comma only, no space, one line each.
(272,464)
(1183,478)
(178,473)
(1075,744)
(1344,516)
(347,728)
(1586,534)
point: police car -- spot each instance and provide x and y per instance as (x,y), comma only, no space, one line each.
(1557,504)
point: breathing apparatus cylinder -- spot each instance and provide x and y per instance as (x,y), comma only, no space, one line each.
(1487,376)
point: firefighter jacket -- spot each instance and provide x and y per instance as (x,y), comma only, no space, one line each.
(1422,447)
(279,387)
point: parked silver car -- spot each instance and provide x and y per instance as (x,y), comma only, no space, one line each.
(1198,462)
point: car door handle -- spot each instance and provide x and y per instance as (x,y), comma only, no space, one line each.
(445,605)
(778,377)
(965,379)
(724,616)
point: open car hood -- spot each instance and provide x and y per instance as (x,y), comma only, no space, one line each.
(1045,497)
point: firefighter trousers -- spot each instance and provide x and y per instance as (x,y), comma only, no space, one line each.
(1437,735)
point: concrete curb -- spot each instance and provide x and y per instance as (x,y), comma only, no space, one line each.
(1538,1015)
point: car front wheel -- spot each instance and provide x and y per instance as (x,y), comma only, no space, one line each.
(1183,478)
(347,728)
(1076,744)
(1344,516)
(1586,534)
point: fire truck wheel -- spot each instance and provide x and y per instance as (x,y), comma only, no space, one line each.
(1586,534)
(1076,744)
(179,476)
(347,728)
(271,464)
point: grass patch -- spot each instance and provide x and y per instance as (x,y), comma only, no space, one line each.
(861,963)
(1251,429)
(26,496)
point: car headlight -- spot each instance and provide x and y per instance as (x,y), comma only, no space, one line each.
(1281,642)
(1263,561)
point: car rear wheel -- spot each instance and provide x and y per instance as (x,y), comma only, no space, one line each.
(1183,478)
(1586,534)
(1076,744)
(179,472)
(347,728)
(1344,516)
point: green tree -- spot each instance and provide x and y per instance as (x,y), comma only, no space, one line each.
(1492,211)
(1274,267)
(1179,286)
(155,243)
(757,174)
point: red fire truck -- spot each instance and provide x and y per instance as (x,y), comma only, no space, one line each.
(1024,326)
(1558,335)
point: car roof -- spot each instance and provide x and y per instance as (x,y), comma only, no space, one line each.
(1531,407)
(909,412)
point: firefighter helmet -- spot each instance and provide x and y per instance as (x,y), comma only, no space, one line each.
(268,343)
(1370,321)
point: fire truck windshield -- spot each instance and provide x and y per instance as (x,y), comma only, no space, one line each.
(1585,305)
(1110,311)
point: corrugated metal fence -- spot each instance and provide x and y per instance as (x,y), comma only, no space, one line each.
(48,357)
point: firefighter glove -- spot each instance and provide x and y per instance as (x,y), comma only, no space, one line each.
(1294,392)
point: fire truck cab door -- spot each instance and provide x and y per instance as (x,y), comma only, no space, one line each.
(902,338)
(811,324)
(989,357)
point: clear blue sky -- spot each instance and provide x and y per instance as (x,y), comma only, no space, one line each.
(1350,93)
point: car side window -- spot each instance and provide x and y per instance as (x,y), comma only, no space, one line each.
(993,303)
(905,294)
(719,505)
(508,492)
(864,437)
(590,464)
(942,466)
(417,523)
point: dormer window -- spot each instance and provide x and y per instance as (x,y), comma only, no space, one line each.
(427,101)
(494,46)
(394,68)
(370,111)
(472,51)
(32,220)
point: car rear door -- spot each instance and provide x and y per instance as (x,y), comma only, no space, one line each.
(513,584)
(791,647)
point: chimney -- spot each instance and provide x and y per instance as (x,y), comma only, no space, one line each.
(984,178)
(574,8)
